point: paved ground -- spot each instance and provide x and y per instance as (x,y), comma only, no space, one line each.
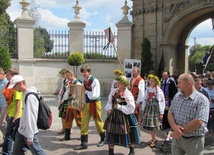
(52,145)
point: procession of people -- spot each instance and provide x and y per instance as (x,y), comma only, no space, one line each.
(183,105)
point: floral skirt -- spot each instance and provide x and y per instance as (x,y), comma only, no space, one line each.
(121,129)
(150,117)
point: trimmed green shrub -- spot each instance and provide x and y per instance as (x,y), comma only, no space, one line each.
(76,59)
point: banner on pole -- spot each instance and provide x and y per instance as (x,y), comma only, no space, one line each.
(109,35)
(129,64)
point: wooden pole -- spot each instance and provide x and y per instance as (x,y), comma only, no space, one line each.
(118,57)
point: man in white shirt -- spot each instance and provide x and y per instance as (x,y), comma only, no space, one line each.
(28,131)
(92,108)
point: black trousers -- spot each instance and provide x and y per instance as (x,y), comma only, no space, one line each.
(165,123)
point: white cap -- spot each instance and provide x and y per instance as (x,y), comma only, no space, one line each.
(14,80)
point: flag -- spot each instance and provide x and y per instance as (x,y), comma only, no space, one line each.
(209,57)
(213,22)
(205,58)
(109,35)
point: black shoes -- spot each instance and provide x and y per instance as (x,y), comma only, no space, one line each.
(84,143)
(101,143)
(65,138)
(103,139)
(81,146)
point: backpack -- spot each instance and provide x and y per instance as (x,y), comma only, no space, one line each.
(44,120)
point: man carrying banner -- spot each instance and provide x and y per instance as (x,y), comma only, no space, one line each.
(71,113)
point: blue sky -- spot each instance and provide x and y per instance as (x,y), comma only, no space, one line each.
(98,15)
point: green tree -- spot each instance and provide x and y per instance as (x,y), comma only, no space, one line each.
(5,62)
(7,30)
(146,59)
(4,4)
(197,52)
(42,42)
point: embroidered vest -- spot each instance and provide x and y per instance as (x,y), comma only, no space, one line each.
(87,85)
(134,88)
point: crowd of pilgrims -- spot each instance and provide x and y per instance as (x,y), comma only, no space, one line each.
(138,103)
(133,104)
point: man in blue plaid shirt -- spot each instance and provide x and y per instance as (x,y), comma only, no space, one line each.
(188,117)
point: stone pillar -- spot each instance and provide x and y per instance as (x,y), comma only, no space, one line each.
(124,35)
(76,32)
(173,55)
(24,25)
(76,36)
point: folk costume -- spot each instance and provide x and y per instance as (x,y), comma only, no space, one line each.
(152,107)
(71,113)
(137,88)
(92,108)
(169,89)
(121,124)
(64,97)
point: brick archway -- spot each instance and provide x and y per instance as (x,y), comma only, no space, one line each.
(168,24)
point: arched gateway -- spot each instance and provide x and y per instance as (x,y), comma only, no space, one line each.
(168,24)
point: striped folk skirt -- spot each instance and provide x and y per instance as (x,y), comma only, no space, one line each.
(150,117)
(121,129)
(62,109)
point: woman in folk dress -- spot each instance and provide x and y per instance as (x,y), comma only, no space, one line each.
(153,108)
(121,123)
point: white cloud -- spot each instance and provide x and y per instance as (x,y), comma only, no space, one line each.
(108,19)
(65,4)
(56,13)
(51,21)
(14,10)
(203,29)
(202,34)
(84,14)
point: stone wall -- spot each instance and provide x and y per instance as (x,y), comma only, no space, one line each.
(43,73)
(168,24)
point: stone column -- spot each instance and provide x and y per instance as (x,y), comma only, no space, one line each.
(173,55)
(76,32)
(24,25)
(124,35)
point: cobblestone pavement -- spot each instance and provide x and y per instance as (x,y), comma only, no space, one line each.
(50,140)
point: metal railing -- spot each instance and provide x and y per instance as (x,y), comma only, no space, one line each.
(94,42)
(60,48)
